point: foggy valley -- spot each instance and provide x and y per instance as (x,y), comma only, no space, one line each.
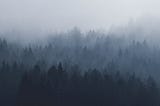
(79,53)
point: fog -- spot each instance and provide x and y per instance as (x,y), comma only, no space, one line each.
(30,20)
(64,14)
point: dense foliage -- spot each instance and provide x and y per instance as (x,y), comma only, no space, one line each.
(98,70)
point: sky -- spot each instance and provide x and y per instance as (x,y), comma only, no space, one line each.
(65,14)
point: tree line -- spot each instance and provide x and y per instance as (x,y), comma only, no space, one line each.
(59,87)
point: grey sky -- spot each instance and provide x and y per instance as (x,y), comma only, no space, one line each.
(64,14)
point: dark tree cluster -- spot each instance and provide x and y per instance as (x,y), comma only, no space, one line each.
(58,87)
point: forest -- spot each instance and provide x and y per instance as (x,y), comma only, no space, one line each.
(80,69)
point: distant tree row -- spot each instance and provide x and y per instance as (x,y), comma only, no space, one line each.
(89,50)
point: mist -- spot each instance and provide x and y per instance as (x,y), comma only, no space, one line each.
(36,19)
(63,15)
